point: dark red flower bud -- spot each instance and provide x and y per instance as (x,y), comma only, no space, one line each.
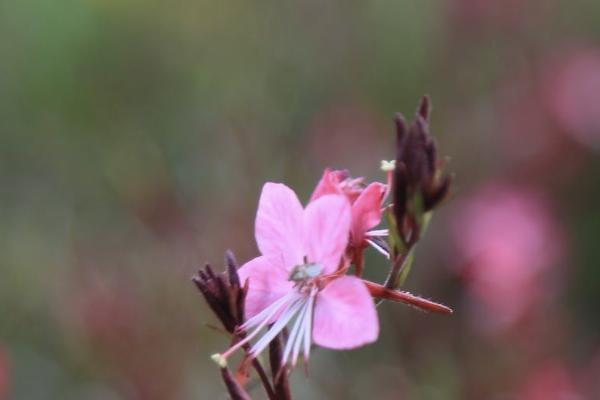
(223,293)
(419,184)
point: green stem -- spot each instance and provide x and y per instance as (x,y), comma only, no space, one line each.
(400,262)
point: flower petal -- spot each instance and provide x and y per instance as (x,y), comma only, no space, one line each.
(279,226)
(268,282)
(366,212)
(327,227)
(329,183)
(345,315)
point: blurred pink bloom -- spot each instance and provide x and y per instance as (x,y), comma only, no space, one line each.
(366,201)
(590,383)
(507,239)
(298,277)
(549,381)
(574,95)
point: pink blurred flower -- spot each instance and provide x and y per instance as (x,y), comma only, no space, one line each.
(589,382)
(574,95)
(507,239)
(366,201)
(299,278)
(549,381)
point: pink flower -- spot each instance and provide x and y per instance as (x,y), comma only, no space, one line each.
(338,182)
(366,202)
(509,240)
(297,280)
(574,95)
(549,381)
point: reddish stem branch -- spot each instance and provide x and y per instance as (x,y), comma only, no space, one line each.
(234,389)
(262,374)
(278,371)
(264,378)
(382,292)
(359,261)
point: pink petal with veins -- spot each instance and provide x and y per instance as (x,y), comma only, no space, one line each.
(279,226)
(327,223)
(268,282)
(345,315)
(366,212)
(329,184)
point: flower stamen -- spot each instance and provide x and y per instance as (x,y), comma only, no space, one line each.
(259,321)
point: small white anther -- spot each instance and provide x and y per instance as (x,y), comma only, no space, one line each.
(387,166)
(219,359)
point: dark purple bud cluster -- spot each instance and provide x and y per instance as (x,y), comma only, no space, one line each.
(223,292)
(226,297)
(419,184)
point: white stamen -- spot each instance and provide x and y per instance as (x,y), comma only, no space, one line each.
(378,232)
(277,327)
(265,317)
(378,248)
(308,325)
(296,305)
(294,333)
(301,332)
(270,311)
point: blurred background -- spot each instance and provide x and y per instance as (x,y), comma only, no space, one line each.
(135,137)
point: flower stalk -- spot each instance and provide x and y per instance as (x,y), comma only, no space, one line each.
(278,370)
(381,292)
(235,390)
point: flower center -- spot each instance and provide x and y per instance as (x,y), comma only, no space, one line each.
(304,272)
